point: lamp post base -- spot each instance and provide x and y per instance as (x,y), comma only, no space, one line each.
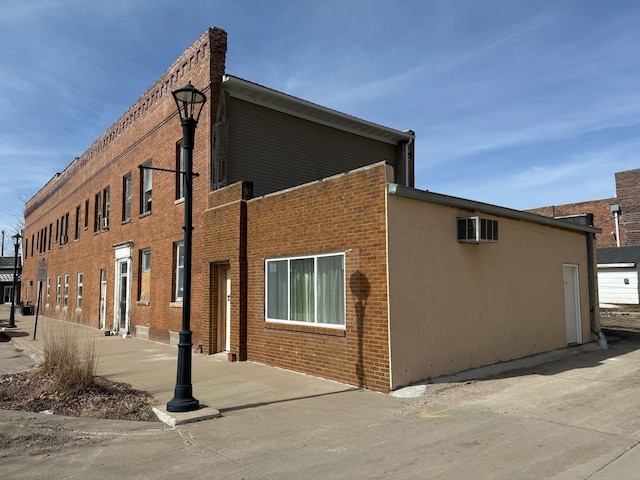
(12,318)
(182,400)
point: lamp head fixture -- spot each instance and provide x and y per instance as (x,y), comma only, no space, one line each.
(190,102)
(16,238)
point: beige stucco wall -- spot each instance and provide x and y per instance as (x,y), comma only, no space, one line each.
(457,306)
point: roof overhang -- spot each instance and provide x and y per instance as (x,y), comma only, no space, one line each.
(617,265)
(281,102)
(394,189)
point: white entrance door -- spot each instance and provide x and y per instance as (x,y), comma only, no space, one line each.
(228,312)
(122,297)
(572,304)
(223,337)
(103,298)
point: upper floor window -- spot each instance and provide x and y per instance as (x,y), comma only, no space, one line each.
(77,226)
(180,177)
(126,197)
(106,207)
(97,213)
(145,189)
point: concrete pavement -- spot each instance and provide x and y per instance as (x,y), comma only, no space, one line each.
(574,418)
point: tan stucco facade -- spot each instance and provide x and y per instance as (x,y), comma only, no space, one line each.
(456,306)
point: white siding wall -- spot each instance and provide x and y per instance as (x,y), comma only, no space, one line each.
(613,289)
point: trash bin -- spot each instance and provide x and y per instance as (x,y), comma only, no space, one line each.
(26,309)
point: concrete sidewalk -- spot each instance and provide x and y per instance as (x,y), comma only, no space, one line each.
(149,366)
(573,418)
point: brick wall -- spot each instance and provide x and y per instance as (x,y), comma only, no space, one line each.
(224,235)
(148,130)
(627,197)
(346,213)
(602,217)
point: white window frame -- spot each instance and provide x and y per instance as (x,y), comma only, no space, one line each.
(79,291)
(65,303)
(145,260)
(180,177)
(48,290)
(179,246)
(126,197)
(58,290)
(146,190)
(315,321)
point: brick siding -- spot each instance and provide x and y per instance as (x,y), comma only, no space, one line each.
(627,197)
(346,213)
(148,130)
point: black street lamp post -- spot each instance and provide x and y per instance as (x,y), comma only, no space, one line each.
(190,103)
(12,314)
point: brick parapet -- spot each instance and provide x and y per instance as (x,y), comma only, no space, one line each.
(152,98)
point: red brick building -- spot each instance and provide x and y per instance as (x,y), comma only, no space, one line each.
(618,217)
(311,249)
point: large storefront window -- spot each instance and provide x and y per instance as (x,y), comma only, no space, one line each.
(307,290)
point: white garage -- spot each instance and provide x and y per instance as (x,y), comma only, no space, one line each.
(618,275)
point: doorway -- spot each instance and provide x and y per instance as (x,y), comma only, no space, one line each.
(122,297)
(223,337)
(572,304)
(103,298)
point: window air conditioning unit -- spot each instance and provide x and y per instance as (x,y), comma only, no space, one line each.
(105,223)
(64,239)
(477,230)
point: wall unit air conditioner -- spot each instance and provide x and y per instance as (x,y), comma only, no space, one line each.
(64,239)
(477,230)
(105,223)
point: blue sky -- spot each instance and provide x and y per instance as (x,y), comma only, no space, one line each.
(519,103)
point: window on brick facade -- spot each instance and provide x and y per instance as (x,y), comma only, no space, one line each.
(106,207)
(179,271)
(65,298)
(86,214)
(180,177)
(58,290)
(306,290)
(79,290)
(126,197)
(50,232)
(97,212)
(66,228)
(48,293)
(77,229)
(144,277)
(145,189)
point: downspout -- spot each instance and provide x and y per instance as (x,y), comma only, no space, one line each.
(407,146)
(617,230)
(602,340)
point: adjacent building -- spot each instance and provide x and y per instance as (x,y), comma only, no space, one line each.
(618,217)
(9,267)
(312,250)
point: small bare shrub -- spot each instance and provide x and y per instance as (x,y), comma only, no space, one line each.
(69,361)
